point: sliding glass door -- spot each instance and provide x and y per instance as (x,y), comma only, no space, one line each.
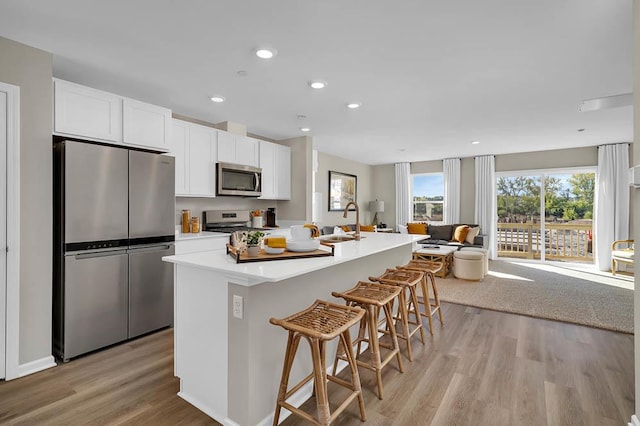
(546,215)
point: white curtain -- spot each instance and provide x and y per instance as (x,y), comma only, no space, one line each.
(404,212)
(611,220)
(485,212)
(451,167)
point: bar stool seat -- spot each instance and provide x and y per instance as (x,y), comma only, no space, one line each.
(372,297)
(408,281)
(430,270)
(318,324)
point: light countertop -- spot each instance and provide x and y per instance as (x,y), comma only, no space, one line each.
(271,271)
(184,237)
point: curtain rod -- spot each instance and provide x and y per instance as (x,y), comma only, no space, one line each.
(617,143)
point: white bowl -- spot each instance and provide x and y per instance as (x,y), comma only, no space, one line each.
(303,245)
(273,250)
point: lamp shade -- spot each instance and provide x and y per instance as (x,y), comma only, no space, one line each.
(376,206)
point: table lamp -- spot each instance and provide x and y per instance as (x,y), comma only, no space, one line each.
(377,207)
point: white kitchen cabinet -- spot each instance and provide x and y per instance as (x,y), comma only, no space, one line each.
(195,149)
(275,162)
(238,149)
(86,112)
(267,164)
(192,243)
(178,147)
(146,125)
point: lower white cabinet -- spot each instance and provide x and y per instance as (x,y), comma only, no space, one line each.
(275,162)
(196,244)
(195,149)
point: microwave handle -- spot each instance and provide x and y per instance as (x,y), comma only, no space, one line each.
(256,185)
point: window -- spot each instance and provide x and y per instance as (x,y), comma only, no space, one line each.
(428,197)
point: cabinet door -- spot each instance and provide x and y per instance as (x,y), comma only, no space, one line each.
(146,125)
(179,148)
(226,147)
(267,164)
(247,151)
(202,161)
(283,170)
(86,112)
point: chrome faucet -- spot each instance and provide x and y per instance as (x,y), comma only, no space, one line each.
(346,210)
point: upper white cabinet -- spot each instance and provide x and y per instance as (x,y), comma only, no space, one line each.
(275,161)
(238,149)
(96,115)
(146,125)
(195,149)
(86,112)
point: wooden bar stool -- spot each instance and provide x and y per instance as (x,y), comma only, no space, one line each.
(430,270)
(372,297)
(319,323)
(407,280)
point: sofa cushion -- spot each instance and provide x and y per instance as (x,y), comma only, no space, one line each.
(472,234)
(460,233)
(441,232)
(417,228)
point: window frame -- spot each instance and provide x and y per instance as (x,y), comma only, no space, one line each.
(413,218)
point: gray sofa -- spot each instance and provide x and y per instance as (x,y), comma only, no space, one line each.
(443,234)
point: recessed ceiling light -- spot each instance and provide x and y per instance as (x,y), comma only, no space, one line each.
(305,129)
(266,53)
(318,84)
(581,130)
(475,142)
(354,105)
(217,99)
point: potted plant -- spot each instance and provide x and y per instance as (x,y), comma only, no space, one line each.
(253,239)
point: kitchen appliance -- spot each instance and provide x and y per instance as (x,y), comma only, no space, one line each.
(227,221)
(114,221)
(238,179)
(271,217)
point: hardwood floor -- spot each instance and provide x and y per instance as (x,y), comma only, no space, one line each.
(481,368)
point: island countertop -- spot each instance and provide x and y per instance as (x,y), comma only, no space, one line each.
(271,271)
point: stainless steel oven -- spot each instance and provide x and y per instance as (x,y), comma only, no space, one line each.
(239,180)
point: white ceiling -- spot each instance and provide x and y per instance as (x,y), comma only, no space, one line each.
(432,75)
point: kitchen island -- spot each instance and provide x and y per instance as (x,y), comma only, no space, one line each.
(229,359)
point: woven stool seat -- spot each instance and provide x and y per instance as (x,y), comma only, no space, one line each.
(321,322)
(430,269)
(372,297)
(408,281)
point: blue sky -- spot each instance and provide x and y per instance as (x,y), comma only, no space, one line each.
(428,185)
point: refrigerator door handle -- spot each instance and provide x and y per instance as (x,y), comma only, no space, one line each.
(99,254)
(150,248)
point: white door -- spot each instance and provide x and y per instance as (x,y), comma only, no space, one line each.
(3,231)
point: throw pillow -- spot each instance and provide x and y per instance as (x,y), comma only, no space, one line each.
(460,233)
(402,229)
(417,228)
(346,228)
(367,228)
(472,234)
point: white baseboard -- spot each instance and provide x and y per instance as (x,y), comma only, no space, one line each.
(634,421)
(35,366)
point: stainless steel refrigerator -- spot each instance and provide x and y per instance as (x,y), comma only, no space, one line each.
(113,222)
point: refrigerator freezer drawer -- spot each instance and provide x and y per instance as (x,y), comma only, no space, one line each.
(150,289)
(96,302)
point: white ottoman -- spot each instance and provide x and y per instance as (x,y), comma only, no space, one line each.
(468,265)
(485,254)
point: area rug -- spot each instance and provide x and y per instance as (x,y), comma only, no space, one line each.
(546,291)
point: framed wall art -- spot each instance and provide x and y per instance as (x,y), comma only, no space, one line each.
(342,189)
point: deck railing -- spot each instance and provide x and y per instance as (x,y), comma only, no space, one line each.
(569,242)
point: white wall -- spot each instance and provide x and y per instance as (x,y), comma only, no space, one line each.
(32,70)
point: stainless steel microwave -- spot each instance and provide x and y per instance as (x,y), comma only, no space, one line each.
(239,180)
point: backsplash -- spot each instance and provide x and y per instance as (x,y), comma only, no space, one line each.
(198,205)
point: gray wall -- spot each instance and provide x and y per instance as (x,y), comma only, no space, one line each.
(635,197)
(32,70)
(383,187)
(364,194)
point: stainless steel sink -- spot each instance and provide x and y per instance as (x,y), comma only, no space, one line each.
(337,238)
